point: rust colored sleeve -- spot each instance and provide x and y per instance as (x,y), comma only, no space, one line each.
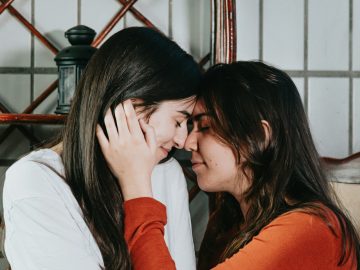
(145,219)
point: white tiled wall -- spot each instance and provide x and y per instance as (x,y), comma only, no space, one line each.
(299,82)
(15,91)
(188,21)
(14,38)
(284,33)
(156,11)
(356,119)
(288,35)
(247,23)
(329,115)
(49,17)
(191,26)
(356,34)
(328,34)
(97,18)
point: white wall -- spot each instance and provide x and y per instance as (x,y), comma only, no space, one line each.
(316,43)
(310,39)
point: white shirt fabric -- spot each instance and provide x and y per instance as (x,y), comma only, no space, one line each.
(45,228)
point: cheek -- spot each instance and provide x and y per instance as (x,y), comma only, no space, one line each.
(163,130)
(215,154)
(221,169)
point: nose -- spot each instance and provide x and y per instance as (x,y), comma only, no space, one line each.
(191,142)
(180,137)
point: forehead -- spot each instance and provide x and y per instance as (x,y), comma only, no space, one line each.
(199,108)
(178,105)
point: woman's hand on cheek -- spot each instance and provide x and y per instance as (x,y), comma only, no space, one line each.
(130,150)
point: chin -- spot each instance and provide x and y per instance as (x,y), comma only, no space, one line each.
(209,184)
(160,159)
(204,185)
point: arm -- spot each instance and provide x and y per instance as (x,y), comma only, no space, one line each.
(126,149)
(40,232)
(145,219)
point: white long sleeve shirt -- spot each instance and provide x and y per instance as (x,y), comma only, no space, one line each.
(45,228)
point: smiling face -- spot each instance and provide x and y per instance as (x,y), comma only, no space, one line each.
(170,124)
(213,162)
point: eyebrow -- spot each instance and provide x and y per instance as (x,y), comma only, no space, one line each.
(185,113)
(198,117)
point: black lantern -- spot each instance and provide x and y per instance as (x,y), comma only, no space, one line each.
(71,61)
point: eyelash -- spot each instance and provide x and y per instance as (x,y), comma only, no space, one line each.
(203,129)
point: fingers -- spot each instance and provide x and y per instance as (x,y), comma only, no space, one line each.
(103,141)
(126,122)
(110,126)
(132,121)
(121,121)
(149,133)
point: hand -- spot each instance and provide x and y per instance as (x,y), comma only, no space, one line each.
(129,150)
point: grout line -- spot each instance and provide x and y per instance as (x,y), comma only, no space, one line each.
(306,56)
(28,70)
(32,53)
(261,28)
(32,64)
(79,12)
(170,20)
(351,84)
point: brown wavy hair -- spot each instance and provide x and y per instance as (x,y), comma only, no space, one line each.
(286,174)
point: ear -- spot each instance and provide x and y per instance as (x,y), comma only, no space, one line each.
(267,131)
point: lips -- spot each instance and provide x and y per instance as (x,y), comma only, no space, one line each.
(165,150)
(196,164)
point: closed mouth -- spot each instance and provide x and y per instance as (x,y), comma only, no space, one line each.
(196,164)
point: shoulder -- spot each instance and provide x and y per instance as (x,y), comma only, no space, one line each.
(31,176)
(169,183)
(303,224)
(170,166)
(300,232)
(294,240)
(170,172)
(305,219)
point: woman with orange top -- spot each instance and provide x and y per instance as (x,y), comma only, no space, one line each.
(251,144)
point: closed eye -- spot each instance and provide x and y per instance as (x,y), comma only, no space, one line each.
(203,129)
(190,125)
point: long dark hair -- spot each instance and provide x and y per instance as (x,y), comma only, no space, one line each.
(139,63)
(285,175)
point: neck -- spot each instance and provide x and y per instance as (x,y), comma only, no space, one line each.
(244,206)
(58,148)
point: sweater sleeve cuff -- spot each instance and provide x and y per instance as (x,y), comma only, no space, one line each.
(143,209)
(141,212)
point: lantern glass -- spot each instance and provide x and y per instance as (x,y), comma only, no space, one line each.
(67,84)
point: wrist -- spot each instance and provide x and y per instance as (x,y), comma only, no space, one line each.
(134,194)
(137,188)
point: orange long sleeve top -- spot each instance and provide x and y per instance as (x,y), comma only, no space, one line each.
(292,241)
